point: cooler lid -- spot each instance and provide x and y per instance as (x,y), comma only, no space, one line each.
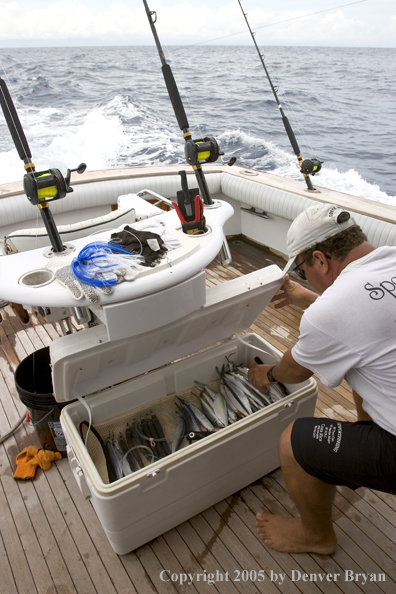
(87,361)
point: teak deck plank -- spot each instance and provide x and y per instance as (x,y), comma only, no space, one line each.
(51,539)
(210,533)
(344,560)
(200,551)
(235,513)
(255,500)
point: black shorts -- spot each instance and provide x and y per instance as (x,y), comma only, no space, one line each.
(360,454)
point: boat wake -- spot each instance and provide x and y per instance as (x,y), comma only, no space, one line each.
(265,155)
(126,132)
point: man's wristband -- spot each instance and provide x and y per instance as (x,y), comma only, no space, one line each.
(270,377)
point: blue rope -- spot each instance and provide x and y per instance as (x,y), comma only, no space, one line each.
(93,257)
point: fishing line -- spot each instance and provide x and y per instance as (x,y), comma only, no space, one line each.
(296,118)
(97,263)
(307,166)
(304,16)
(310,14)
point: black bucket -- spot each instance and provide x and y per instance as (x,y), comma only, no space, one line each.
(33,382)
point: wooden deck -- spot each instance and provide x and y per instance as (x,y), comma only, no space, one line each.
(52,542)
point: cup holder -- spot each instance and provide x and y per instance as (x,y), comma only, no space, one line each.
(36,278)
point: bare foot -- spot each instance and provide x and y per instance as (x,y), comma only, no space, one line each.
(288,535)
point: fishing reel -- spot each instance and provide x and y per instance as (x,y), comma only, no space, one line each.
(49,185)
(311,166)
(203,150)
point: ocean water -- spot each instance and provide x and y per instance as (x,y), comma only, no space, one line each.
(109,108)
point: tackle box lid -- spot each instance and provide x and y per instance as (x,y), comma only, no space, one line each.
(86,362)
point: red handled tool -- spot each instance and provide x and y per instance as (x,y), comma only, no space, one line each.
(199,209)
(179,214)
(190,208)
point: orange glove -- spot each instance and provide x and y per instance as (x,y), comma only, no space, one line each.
(31,457)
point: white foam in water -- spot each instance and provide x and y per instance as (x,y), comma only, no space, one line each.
(122,134)
(63,140)
(351,182)
(283,163)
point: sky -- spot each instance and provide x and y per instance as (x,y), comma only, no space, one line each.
(43,23)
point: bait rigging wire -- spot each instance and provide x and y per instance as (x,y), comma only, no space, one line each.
(124,231)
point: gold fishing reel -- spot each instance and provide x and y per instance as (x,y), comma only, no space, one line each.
(311,166)
(203,150)
(49,185)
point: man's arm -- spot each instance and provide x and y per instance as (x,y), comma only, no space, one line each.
(287,371)
(293,293)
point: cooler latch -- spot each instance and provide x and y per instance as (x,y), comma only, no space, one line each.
(78,472)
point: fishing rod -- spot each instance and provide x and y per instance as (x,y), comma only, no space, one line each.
(307,166)
(40,187)
(203,150)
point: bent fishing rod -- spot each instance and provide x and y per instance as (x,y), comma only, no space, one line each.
(307,166)
(203,150)
(40,187)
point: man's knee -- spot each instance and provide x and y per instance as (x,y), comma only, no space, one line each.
(285,446)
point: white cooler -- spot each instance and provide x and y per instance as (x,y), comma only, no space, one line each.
(120,379)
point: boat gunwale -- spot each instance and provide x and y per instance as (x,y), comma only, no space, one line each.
(364,206)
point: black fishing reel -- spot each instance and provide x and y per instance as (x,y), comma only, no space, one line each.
(203,150)
(311,166)
(49,185)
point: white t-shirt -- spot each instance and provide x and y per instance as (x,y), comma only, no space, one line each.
(350,332)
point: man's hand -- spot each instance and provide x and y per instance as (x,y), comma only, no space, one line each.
(258,377)
(287,371)
(293,293)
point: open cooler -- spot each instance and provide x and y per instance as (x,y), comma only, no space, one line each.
(122,380)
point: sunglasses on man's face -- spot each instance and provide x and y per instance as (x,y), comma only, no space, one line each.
(300,272)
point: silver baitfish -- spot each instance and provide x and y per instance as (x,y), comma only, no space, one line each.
(258,397)
(190,419)
(115,459)
(179,434)
(202,418)
(216,402)
(210,412)
(232,402)
(276,392)
(237,390)
(193,427)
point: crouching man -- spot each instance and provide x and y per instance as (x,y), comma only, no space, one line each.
(347,332)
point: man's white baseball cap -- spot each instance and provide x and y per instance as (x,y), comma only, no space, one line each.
(317,223)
